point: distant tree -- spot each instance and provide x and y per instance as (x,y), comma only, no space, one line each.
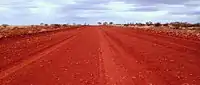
(32,26)
(99,23)
(64,25)
(177,25)
(149,23)
(126,24)
(157,24)
(110,23)
(5,25)
(140,24)
(166,24)
(74,23)
(85,24)
(105,23)
(197,24)
(45,24)
(56,25)
(41,23)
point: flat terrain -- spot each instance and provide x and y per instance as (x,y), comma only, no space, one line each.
(99,55)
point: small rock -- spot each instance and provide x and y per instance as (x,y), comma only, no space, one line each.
(133,77)
(30,32)
(41,65)
(150,84)
(171,60)
(198,34)
(65,69)
(43,30)
(185,84)
(1,36)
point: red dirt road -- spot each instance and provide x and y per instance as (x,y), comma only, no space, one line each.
(99,56)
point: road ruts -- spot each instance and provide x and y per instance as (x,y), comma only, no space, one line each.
(160,61)
(105,55)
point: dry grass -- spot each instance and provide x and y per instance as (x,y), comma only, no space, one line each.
(10,31)
(192,32)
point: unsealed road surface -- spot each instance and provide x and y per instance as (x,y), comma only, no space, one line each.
(99,56)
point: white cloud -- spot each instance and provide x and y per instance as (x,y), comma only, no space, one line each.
(118,6)
(3,9)
(192,2)
(44,8)
(58,11)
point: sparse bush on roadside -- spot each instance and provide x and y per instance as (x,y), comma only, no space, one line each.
(21,30)
(64,25)
(56,25)
(126,24)
(74,23)
(99,23)
(157,24)
(149,23)
(139,24)
(175,25)
(172,25)
(197,24)
(45,24)
(105,23)
(184,25)
(5,25)
(110,23)
(41,24)
(166,24)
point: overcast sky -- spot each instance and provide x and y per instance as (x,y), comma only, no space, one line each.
(92,11)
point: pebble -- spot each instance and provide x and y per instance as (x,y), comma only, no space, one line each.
(1,36)
(185,84)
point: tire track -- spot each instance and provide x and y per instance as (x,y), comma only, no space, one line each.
(157,64)
(115,74)
(35,57)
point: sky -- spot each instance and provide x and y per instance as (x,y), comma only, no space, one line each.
(25,12)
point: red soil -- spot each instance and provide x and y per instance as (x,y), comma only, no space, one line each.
(99,56)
